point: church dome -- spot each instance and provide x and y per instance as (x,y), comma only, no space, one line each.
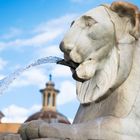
(49,112)
(49,116)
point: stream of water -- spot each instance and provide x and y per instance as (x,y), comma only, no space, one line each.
(5,82)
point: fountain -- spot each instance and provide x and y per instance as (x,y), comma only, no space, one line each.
(105,47)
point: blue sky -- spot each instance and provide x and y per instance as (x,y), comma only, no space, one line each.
(31,29)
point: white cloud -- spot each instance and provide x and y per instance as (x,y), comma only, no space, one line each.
(61,71)
(2,45)
(52,50)
(67,93)
(59,23)
(18,114)
(3,63)
(42,34)
(13,32)
(35,108)
(36,40)
(35,76)
(2,76)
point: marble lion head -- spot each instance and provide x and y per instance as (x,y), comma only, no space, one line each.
(101,42)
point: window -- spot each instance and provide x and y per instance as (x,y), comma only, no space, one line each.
(48,99)
(54,99)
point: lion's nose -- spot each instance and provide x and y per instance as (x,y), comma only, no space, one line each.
(61,46)
(66,47)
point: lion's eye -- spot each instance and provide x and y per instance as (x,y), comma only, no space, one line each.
(72,23)
(89,21)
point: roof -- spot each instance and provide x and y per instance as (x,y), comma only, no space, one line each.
(49,116)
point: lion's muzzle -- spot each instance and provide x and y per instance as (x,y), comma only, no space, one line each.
(67,61)
(70,63)
(66,47)
(73,66)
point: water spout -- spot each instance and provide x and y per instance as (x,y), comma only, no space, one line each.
(5,82)
(70,64)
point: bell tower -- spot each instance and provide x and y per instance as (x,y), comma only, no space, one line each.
(49,111)
(49,94)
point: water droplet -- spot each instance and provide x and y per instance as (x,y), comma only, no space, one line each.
(5,82)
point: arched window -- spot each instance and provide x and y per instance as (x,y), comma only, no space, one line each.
(48,99)
(44,100)
(53,99)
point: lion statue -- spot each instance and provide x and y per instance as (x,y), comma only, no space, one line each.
(104,44)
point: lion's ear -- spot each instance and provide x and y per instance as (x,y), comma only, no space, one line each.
(131,11)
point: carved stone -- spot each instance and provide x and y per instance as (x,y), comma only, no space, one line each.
(6,136)
(45,139)
(105,44)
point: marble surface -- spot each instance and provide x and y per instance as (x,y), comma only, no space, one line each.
(105,43)
(9,136)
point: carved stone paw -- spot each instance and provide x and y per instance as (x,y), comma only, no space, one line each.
(30,130)
(46,139)
(36,130)
(51,139)
(10,137)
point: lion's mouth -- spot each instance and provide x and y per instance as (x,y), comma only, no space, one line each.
(68,63)
(73,67)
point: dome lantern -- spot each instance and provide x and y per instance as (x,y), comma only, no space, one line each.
(48,112)
(49,94)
